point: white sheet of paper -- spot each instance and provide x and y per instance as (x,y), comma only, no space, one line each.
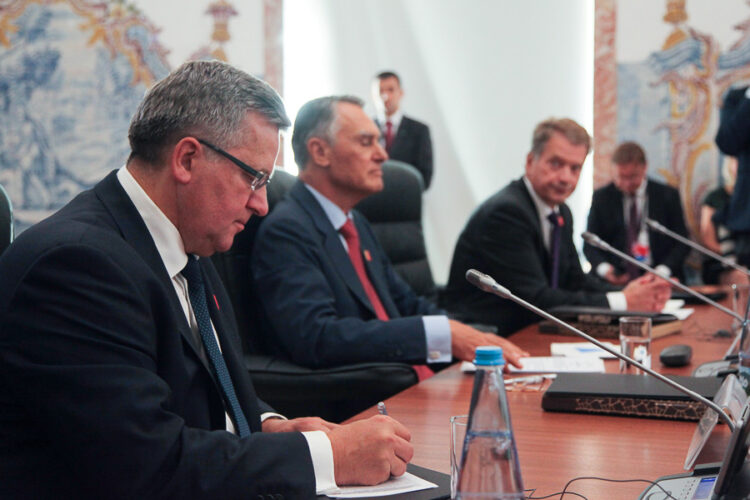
(551,364)
(572,349)
(395,485)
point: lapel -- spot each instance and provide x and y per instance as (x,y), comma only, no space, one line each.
(373,264)
(331,241)
(403,132)
(130,224)
(527,204)
(227,333)
(619,228)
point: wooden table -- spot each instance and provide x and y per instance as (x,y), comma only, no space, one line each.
(556,447)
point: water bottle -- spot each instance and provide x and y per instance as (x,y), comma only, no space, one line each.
(489,465)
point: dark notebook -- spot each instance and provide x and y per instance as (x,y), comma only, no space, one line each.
(442,492)
(628,395)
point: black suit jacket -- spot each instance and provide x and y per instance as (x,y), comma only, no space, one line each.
(503,238)
(102,391)
(413,145)
(733,138)
(607,220)
(315,304)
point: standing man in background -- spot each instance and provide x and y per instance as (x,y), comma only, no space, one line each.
(403,138)
(618,216)
(733,139)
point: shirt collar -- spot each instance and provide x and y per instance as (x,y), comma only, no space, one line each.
(165,235)
(335,215)
(541,207)
(395,120)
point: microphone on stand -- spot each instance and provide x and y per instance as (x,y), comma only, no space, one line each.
(656,226)
(486,283)
(596,241)
(730,476)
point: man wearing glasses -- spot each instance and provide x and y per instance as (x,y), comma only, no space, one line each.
(120,366)
(329,292)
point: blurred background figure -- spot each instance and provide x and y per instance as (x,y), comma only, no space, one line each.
(714,234)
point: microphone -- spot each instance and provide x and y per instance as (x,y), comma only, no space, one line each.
(488,284)
(596,241)
(656,226)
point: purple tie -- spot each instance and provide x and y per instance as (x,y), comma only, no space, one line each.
(634,228)
(556,221)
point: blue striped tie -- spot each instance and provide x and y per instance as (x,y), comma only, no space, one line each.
(197,293)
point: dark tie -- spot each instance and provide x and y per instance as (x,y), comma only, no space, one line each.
(388,135)
(556,221)
(197,293)
(633,230)
(350,234)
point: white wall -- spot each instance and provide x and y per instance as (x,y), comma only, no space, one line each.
(481,73)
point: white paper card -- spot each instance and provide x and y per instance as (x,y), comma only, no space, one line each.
(395,485)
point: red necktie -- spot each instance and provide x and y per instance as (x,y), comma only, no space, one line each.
(632,233)
(388,135)
(349,232)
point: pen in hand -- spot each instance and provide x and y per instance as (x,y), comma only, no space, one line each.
(381,409)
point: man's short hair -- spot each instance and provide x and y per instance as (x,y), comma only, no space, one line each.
(208,99)
(571,130)
(629,152)
(317,118)
(388,74)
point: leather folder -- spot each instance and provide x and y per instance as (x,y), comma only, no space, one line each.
(628,395)
(604,323)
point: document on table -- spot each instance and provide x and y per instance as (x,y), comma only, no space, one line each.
(551,364)
(395,485)
(573,349)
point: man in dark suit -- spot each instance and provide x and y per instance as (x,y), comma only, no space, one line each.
(617,216)
(523,237)
(120,366)
(330,293)
(733,138)
(405,139)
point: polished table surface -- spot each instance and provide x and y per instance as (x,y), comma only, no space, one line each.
(556,447)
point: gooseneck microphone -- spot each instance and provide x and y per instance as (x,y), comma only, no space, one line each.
(596,241)
(488,284)
(656,226)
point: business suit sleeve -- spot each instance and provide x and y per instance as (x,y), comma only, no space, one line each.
(675,259)
(733,136)
(510,233)
(82,348)
(600,223)
(425,155)
(314,318)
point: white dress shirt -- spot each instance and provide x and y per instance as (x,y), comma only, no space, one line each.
(172,252)
(395,120)
(641,201)
(616,300)
(437,329)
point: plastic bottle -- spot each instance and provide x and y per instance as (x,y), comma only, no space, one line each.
(489,465)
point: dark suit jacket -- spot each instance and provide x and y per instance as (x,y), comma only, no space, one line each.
(503,238)
(413,145)
(607,220)
(733,139)
(102,391)
(315,304)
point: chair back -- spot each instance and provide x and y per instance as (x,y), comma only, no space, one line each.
(6,220)
(395,214)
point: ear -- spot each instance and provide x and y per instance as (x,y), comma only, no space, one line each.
(529,160)
(320,151)
(183,159)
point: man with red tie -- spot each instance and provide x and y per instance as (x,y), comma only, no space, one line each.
(329,292)
(404,138)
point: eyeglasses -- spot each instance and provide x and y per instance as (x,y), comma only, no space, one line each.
(260,178)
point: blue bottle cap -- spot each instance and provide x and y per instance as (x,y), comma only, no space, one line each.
(489,356)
